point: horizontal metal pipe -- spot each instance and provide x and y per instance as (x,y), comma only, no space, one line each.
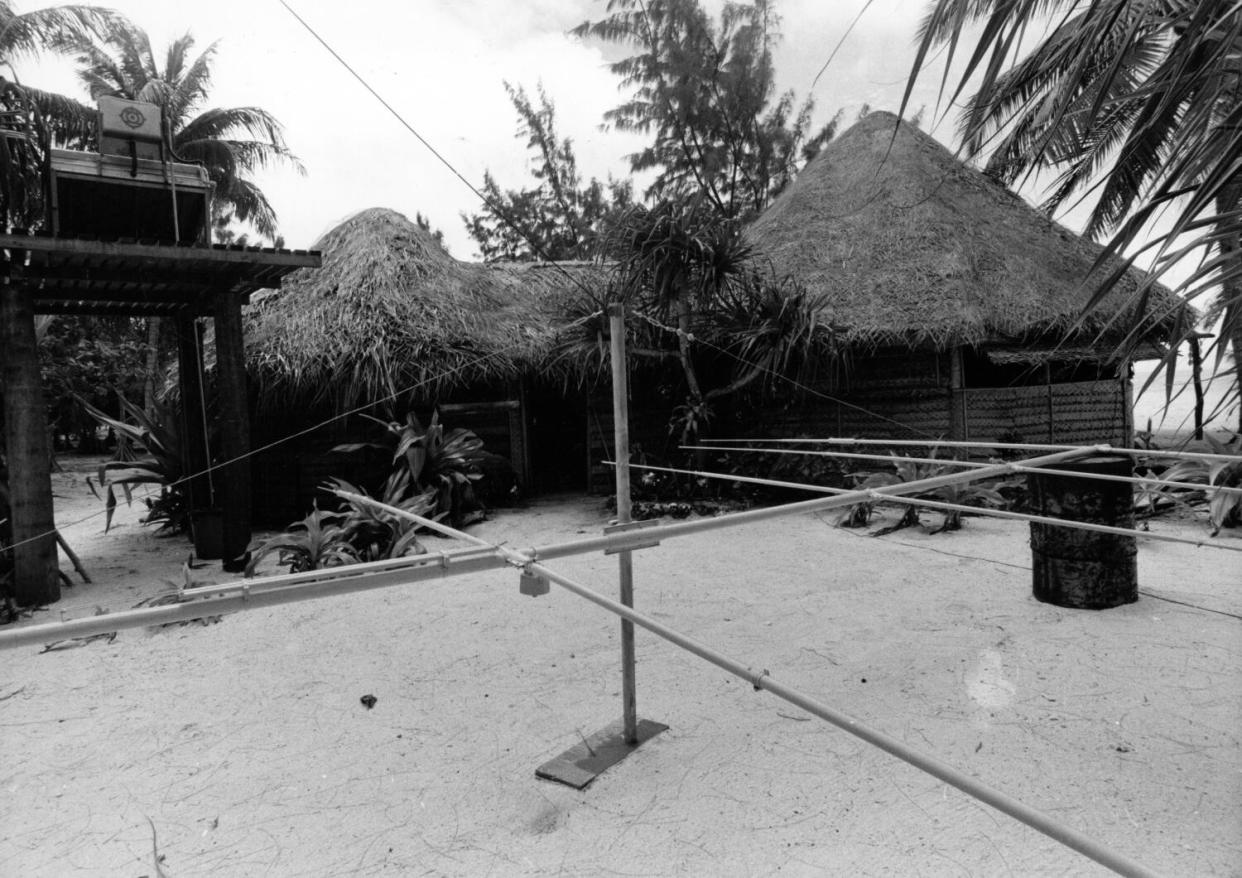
(972,786)
(247,599)
(1017,467)
(859,455)
(339,581)
(917,443)
(281,580)
(1061,522)
(1011,446)
(429,523)
(630,539)
(936,504)
(1134,480)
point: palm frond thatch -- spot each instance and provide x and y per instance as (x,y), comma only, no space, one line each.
(391,315)
(912,246)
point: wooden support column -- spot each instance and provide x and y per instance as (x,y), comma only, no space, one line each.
(35,563)
(232,480)
(1126,377)
(957,397)
(1196,377)
(193,411)
(1051,412)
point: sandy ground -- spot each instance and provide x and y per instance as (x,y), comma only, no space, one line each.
(245,746)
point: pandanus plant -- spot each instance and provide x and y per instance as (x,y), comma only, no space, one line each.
(156,436)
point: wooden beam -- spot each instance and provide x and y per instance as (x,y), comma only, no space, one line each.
(113,308)
(157,253)
(35,565)
(233,479)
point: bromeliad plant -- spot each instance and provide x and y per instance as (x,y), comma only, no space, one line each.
(157,437)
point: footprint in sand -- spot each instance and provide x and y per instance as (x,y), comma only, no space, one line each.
(986,683)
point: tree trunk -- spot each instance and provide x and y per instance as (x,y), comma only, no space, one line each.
(35,563)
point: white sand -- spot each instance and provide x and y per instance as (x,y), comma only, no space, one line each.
(244,742)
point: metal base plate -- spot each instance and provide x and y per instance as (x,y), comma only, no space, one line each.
(582,763)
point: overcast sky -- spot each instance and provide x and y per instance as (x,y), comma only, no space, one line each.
(441,64)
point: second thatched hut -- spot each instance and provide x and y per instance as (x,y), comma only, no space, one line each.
(959,304)
(391,323)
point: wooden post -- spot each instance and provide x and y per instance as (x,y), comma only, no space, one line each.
(1051,403)
(519,440)
(957,396)
(35,564)
(1126,377)
(1196,374)
(193,411)
(621,440)
(233,478)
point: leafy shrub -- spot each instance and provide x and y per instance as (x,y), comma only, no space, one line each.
(447,463)
(315,542)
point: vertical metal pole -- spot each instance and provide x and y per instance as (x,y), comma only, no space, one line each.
(621,441)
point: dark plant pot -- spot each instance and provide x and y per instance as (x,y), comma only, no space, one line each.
(208,528)
(1084,570)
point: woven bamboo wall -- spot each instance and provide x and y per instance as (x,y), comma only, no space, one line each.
(1072,413)
(872,414)
(892,369)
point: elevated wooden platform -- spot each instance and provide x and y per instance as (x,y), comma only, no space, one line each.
(44,274)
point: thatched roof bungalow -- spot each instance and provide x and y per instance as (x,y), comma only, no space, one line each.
(392,322)
(392,316)
(960,304)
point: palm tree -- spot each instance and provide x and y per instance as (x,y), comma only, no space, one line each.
(231,143)
(1135,104)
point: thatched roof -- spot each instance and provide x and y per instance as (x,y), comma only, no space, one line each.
(911,246)
(390,310)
